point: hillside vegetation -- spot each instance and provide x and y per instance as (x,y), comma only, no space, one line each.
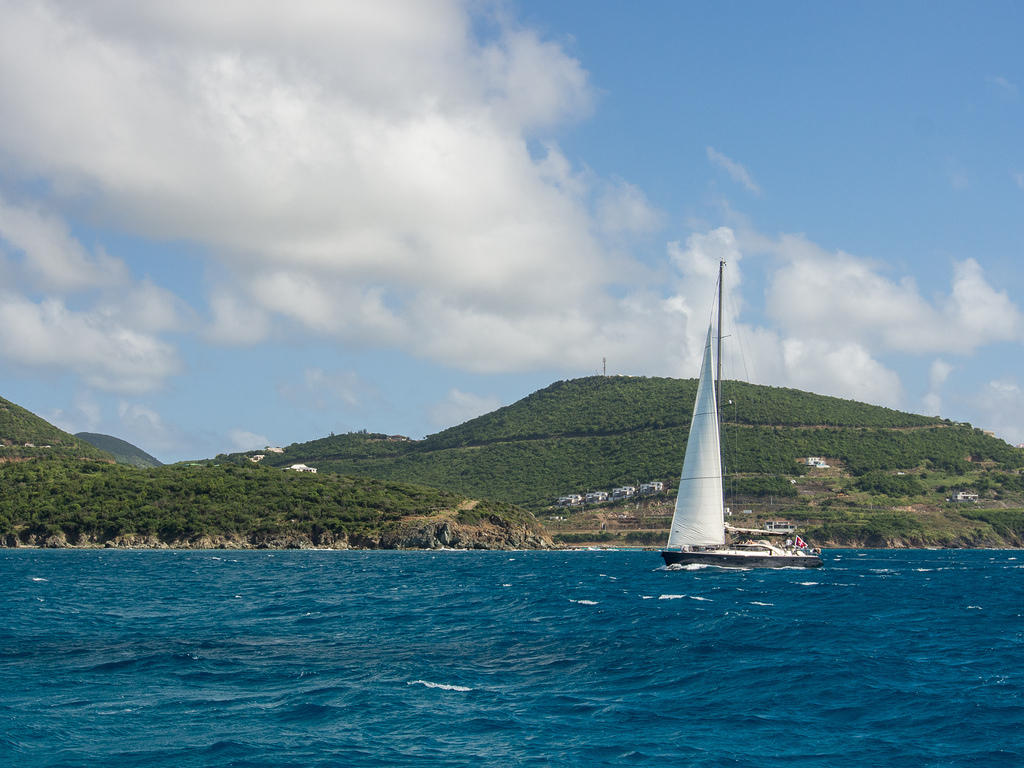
(58,503)
(597,432)
(62,491)
(24,435)
(122,451)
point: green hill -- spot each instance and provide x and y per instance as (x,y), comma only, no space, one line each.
(58,490)
(24,435)
(598,432)
(55,502)
(122,451)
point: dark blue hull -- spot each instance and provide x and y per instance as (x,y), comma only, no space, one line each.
(725,560)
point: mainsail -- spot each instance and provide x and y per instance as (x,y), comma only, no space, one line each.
(699,519)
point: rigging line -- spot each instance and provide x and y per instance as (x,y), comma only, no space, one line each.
(732,314)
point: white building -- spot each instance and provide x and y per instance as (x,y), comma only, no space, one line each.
(302,468)
(268,449)
(597,496)
(624,492)
(257,458)
(816,461)
(965,496)
(569,500)
(779,526)
(655,486)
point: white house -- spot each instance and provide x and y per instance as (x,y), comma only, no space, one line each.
(965,496)
(569,500)
(268,449)
(655,486)
(624,492)
(779,526)
(597,496)
(816,461)
(302,468)
(257,458)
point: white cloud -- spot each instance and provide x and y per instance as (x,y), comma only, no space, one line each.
(846,370)
(350,165)
(937,375)
(243,440)
(1003,86)
(459,407)
(236,321)
(737,172)
(51,256)
(624,208)
(106,354)
(327,390)
(848,299)
(84,415)
(1002,403)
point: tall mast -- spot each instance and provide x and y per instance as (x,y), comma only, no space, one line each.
(718,355)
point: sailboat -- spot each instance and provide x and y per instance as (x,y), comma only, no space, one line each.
(697,535)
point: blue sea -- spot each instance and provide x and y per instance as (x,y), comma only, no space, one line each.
(316,658)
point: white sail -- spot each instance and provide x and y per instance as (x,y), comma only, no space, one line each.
(699,518)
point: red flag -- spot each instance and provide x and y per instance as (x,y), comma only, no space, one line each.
(801,543)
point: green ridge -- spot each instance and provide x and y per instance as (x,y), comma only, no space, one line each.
(122,451)
(597,432)
(24,435)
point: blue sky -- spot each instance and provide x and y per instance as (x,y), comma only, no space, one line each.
(227,225)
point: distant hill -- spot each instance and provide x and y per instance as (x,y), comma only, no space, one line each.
(123,451)
(597,432)
(25,435)
(57,490)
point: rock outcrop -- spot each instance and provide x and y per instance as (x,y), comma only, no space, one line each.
(490,533)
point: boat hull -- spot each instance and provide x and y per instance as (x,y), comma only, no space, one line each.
(729,560)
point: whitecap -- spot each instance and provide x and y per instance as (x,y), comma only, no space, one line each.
(974,607)
(671,597)
(39,578)
(442,686)
(583,602)
(809,583)
(506,585)
(646,597)
(758,602)
(698,597)
(924,570)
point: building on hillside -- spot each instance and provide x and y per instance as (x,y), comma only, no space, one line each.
(655,486)
(816,461)
(595,497)
(257,458)
(569,500)
(302,468)
(623,492)
(966,497)
(779,526)
(268,449)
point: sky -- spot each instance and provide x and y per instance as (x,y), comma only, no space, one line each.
(247,223)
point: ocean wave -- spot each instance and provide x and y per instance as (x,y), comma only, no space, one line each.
(583,602)
(441,686)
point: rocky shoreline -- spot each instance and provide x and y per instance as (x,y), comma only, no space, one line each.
(447,534)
